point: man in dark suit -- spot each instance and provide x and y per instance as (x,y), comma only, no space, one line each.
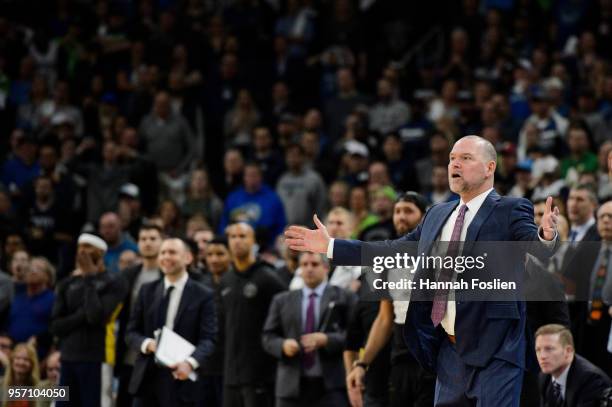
(305,330)
(567,379)
(477,349)
(178,303)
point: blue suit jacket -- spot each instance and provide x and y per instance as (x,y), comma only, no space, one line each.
(483,330)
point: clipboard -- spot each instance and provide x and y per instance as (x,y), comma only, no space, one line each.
(172,348)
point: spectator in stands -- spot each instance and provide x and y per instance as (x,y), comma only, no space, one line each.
(18,268)
(202,237)
(307,334)
(233,166)
(439,147)
(340,223)
(167,137)
(201,199)
(581,158)
(7,291)
(256,204)
(440,191)
(22,166)
(389,113)
(567,379)
(116,239)
(86,304)
(47,221)
(359,205)
(247,291)
(22,369)
(267,156)
(6,348)
(31,308)
(241,120)
(345,102)
(401,169)
(130,209)
(301,189)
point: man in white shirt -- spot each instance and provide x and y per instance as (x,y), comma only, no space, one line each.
(178,303)
(567,379)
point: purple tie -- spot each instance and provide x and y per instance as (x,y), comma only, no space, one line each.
(441,296)
(308,359)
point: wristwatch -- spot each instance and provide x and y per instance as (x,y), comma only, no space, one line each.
(361,364)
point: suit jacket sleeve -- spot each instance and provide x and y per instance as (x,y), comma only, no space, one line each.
(523,228)
(208,330)
(348,252)
(272,337)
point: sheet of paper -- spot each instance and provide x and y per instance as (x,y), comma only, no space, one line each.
(173,348)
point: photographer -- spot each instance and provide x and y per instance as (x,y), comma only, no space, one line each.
(87,303)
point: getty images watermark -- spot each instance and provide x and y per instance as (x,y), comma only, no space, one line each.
(458,264)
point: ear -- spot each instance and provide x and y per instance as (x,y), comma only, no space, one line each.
(491,166)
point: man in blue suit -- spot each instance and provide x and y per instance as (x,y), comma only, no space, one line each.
(477,349)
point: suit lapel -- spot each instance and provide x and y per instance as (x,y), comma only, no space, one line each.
(325,307)
(295,311)
(483,213)
(433,231)
(569,389)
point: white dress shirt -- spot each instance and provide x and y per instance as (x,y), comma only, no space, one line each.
(448,322)
(173,305)
(562,380)
(581,230)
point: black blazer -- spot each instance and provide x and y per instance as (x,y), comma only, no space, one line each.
(195,321)
(284,321)
(584,387)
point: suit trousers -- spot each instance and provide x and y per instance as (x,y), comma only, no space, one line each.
(249,395)
(164,391)
(314,394)
(497,384)
(411,385)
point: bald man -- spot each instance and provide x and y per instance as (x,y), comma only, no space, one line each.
(477,349)
(247,291)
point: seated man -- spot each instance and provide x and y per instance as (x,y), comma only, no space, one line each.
(567,379)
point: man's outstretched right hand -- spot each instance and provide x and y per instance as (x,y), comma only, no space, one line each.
(303,239)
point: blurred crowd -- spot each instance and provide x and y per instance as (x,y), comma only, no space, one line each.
(136,120)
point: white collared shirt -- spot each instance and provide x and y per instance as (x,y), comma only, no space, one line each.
(448,322)
(562,380)
(175,298)
(582,229)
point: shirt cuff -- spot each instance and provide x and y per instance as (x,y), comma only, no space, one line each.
(194,363)
(547,242)
(145,344)
(330,248)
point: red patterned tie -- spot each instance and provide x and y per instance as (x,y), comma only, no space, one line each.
(441,296)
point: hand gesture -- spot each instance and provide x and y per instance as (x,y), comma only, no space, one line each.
(303,239)
(313,341)
(549,220)
(291,347)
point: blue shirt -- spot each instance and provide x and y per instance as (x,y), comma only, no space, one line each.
(30,315)
(111,258)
